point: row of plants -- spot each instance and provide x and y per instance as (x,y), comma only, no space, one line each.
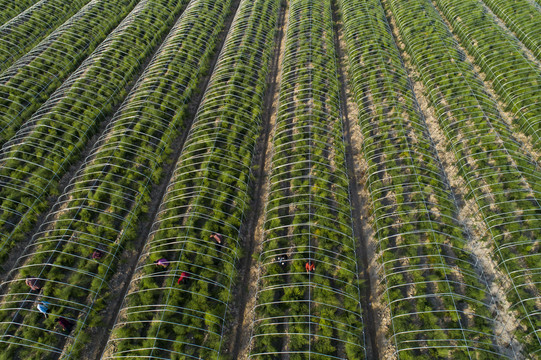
(308,299)
(514,77)
(499,174)
(33,161)
(26,85)
(9,8)
(107,199)
(179,311)
(25,31)
(523,17)
(439,308)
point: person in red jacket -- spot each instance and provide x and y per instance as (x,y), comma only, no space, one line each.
(96,255)
(183,278)
(310,267)
(65,324)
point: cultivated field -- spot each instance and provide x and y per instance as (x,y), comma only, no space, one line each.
(270,179)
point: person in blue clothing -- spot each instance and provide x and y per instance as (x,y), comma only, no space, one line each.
(43,307)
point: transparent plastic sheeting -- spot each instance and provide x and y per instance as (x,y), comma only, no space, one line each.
(26,30)
(163,318)
(104,203)
(499,174)
(9,8)
(438,306)
(33,161)
(523,17)
(301,312)
(515,79)
(27,84)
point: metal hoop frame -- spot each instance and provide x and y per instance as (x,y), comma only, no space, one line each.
(515,78)
(308,210)
(26,85)
(32,162)
(27,29)
(427,274)
(10,9)
(500,176)
(208,192)
(104,202)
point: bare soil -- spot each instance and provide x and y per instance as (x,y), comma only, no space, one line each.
(359,196)
(129,259)
(65,181)
(468,213)
(526,141)
(242,313)
(526,52)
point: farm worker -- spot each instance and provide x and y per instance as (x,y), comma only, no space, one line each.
(33,283)
(43,308)
(96,255)
(281,259)
(310,267)
(64,324)
(162,262)
(183,277)
(218,238)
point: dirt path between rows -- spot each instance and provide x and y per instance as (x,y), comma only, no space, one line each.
(359,198)
(526,141)
(244,293)
(528,54)
(20,255)
(468,212)
(9,267)
(129,258)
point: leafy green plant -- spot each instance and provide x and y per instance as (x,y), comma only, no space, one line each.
(25,86)
(26,30)
(208,193)
(499,174)
(308,213)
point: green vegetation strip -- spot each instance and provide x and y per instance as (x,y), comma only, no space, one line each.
(32,163)
(25,31)
(9,8)
(162,318)
(515,78)
(500,177)
(25,86)
(106,200)
(438,306)
(522,17)
(308,213)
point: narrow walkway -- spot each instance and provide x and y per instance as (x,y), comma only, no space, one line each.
(253,230)
(354,184)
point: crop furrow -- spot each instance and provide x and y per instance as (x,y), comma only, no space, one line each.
(523,18)
(33,162)
(9,8)
(240,316)
(26,85)
(515,79)
(357,169)
(25,31)
(208,193)
(438,307)
(107,198)
(500,177)
(302,312)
